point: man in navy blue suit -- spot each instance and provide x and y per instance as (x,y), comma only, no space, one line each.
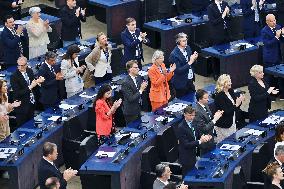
(183,58)
(251,13)
(272,35)
(49,88)
(12,41)
(189,140)
(132,39)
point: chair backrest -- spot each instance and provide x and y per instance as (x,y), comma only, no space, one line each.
(150,159)
(167,145)
(87,147)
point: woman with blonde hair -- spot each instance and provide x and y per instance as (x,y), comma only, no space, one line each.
(98,62)
(275,173)
(37,30)
(159,77)
(226,100)
(259,90)
(5,109)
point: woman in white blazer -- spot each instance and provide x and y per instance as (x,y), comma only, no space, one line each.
(71,71)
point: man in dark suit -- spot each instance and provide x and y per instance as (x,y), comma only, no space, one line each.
(163,173)
(183,58)
(189,140)
(204,120)
(252,10)
(271,36)
(47,168)
(23,84)
(12,41)
(49,88)
(132,39)
(71,17)
(219,18)
(132,89)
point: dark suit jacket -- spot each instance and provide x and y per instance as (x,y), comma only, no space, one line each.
(267,180)
(131,96)
(49,88)
(187,145)
(180,77)
(249,14)
(222,102)
(130,45)
(6,8)
(46,170)
(260,100)
(271,48)
(70,23)
(216,22)
(21,91)
(204,125)
(11,48)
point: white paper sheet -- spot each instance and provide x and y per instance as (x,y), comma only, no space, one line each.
(84,95)
(176,107)
(248,45)
(109,154)
(230,147)
(67,106)
(55,118)
(273,119)
(254,132)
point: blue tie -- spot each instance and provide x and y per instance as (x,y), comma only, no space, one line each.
(32,98)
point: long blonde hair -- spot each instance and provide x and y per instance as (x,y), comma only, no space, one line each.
(222,81)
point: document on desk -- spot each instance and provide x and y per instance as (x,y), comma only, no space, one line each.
(108,154)
(230,147)
(6,152)
(248,45)
(84,95)
(273,119)
(55,118)
(161,118)
(176,107)
(67,106)
(254,132)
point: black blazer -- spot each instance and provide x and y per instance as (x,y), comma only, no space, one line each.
(71,24)
(222,102)
(216,22)
(11,47)
(49,88)
(187,145)
(131,96)
(260,100)
(21,91)
(46,170)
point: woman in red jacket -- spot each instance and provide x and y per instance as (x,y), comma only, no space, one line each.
(105,108)
(159,91)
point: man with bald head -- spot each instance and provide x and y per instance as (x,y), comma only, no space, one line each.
(272,35)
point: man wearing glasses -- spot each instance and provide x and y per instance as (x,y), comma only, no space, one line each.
(132,89)
(23,84)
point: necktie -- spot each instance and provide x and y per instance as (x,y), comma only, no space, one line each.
(106,54)
(256,13)
(207,112)
(274,30)
(138,50)
(20,43)
(32,98)
(52,70)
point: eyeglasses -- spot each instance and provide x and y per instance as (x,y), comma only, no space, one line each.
(22,65)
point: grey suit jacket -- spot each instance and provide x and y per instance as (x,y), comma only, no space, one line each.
(158,184)
(203,123)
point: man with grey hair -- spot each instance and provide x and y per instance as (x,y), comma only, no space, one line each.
(24,84)
(163,173)
(183,58)
(49,88)
(52,183)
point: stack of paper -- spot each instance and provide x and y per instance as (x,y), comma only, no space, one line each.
(273,119)
(254,132)
(84,95)
(230,147)
(248,45)
(6,152)
(55,118)
(161,118)
(67,106)
(176,107)
(108,154)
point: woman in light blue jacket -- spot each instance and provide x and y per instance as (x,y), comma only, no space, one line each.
(71,70)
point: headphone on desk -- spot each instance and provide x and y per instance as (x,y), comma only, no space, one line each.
(179,36)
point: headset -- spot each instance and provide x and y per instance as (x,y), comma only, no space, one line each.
(179,36)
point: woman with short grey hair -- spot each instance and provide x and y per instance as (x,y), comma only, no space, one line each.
(37,30)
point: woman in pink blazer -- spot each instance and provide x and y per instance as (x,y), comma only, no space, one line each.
(159,91)
(105,108)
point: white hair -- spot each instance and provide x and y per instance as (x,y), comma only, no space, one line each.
(157,54)
(33,10)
